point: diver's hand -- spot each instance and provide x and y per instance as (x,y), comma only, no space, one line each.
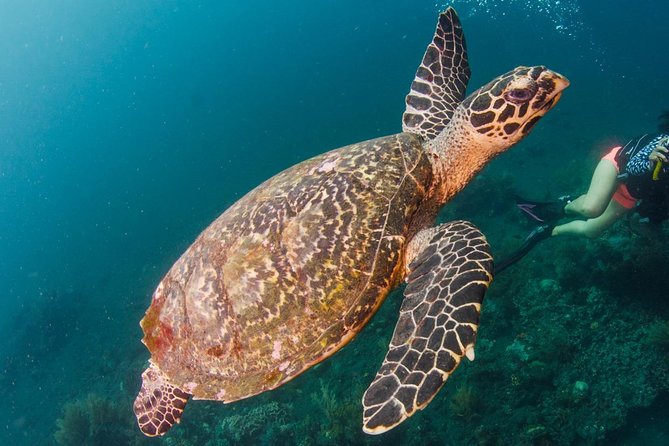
(660,152)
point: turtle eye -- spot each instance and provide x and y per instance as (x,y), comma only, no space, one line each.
(518,95)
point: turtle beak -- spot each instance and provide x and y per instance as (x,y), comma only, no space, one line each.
(551,84)
(554,83)
(561,82)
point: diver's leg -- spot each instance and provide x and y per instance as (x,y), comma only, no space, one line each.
(593,227)
(593,204)
(602,186)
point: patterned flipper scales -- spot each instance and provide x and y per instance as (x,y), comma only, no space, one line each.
(437,324)
(159,404)
(441,80)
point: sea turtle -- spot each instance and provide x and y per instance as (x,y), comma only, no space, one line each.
(295,269)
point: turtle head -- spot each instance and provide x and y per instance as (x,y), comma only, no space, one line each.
(503,112)
(489,121)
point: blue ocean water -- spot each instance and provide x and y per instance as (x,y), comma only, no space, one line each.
(127,126)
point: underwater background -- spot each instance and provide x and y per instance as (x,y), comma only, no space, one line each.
(126,127)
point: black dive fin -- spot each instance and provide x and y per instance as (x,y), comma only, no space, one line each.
(538,234)
(546,212)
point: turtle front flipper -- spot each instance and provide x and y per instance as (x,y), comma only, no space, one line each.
(441,80)
(159,404)
(437,324)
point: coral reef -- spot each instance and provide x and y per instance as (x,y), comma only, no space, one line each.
(337,414)
(258,425)
(93,421)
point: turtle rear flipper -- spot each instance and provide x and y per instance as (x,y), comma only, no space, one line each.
(159,404)
(437,324)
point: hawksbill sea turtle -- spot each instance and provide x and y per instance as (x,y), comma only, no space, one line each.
(294,270)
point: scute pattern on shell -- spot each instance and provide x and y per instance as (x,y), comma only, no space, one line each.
(291,272)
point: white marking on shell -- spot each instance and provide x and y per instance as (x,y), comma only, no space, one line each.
(220,394)
(327,166)
(276,352)
(284,365)
(190,387)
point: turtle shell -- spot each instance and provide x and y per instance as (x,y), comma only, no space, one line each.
(291,272)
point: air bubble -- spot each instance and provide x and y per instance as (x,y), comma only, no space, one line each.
(565,15)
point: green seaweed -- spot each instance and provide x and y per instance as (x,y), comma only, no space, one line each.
(465,401)
(658,334)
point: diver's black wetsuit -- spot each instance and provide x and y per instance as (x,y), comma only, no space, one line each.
(637,175)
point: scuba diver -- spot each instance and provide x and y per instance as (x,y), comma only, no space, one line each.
(631,177)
